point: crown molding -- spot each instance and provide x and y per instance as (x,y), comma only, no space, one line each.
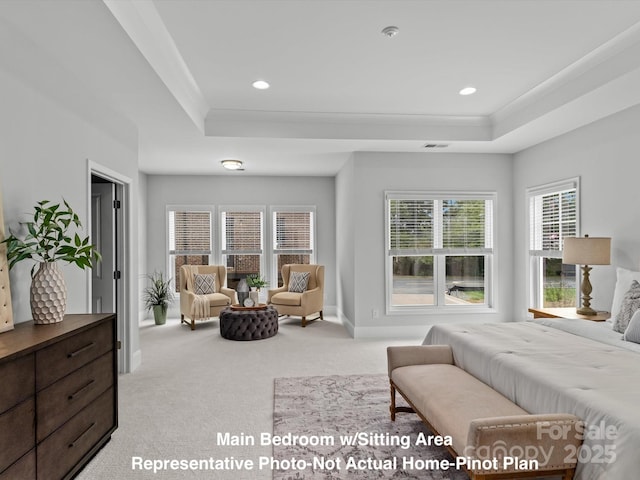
(345,126)
(142,22)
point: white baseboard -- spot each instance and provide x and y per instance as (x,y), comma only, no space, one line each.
(410,332)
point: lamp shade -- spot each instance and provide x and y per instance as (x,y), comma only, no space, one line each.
(586,251)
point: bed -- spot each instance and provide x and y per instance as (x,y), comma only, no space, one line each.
(562,366)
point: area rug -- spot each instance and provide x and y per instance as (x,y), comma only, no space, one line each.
(338,427)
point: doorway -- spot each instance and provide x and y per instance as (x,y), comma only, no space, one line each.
(108,212)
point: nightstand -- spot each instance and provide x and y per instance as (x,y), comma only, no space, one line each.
(567,313)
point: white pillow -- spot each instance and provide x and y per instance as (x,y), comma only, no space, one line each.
(632,333)
(623,283)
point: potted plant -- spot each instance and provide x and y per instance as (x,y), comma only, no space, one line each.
(49,239)
(254,280)
(158,296)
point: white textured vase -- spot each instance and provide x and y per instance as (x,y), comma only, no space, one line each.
(48,294)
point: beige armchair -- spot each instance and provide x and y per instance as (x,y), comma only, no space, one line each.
(191,304)
(300,304)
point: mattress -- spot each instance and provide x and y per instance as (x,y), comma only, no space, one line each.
(548,370)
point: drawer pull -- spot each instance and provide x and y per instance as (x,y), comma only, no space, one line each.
(80,390)
(80,350)
(73,444)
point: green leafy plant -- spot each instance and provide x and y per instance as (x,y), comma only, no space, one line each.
(50,238)
(256,281)
(158,293)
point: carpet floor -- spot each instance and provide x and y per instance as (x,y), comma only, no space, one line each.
(193,386)
(340,428)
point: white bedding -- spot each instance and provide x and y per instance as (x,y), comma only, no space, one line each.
(548,370)
(600,331)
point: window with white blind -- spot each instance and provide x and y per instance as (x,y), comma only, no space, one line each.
(190,234)
(553,216)
(439,250)
(293,240)
(242,242)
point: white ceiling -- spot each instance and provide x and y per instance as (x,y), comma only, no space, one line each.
(181,71)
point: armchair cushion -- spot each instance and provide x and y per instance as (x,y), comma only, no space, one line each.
(298,281)
(204,283)
(287,298)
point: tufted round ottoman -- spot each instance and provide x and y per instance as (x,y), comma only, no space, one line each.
(248,324)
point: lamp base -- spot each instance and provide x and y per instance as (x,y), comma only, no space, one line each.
(586,311)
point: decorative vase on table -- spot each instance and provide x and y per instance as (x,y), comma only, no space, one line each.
(48,294)
(49,239)
(254,295)
(243,291)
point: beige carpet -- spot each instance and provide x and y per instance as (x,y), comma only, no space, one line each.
(193,385)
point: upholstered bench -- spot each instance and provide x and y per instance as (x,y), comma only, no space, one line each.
(490,432)
(248,324)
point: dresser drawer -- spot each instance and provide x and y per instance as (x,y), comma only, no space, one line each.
(63,399)
(65,447)
(20,422)
(23,469)
(17,381)
(64,357)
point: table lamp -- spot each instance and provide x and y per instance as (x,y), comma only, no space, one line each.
(586,251)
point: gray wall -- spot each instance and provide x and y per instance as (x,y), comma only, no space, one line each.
(243,190)
(361,186)
(45,147)
(604,155)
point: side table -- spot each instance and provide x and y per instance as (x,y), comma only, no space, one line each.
(569,312)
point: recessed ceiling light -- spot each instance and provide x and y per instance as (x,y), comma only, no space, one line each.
(468,91)
(232,164)
(390,31)
(261,85)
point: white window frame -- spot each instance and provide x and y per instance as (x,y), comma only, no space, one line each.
(222,232)
(187,208)
(439,253)
(535,274)
(273,237)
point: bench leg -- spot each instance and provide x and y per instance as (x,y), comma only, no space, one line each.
(392,406)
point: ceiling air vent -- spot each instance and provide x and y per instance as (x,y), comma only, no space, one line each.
(436,145)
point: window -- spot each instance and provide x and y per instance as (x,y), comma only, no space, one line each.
(189,239)
(293,237)
(242,242)
(553,215)
(439,250)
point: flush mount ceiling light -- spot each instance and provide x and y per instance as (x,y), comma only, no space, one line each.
(231,164)
(260,84)
(468,91)
(390,31)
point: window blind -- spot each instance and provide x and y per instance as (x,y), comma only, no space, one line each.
(440,226)
(293,232)
(410,227)
(189,233)
(466,225)
(553,217)
(242,233)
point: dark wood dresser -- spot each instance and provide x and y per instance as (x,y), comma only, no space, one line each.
(58,396)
